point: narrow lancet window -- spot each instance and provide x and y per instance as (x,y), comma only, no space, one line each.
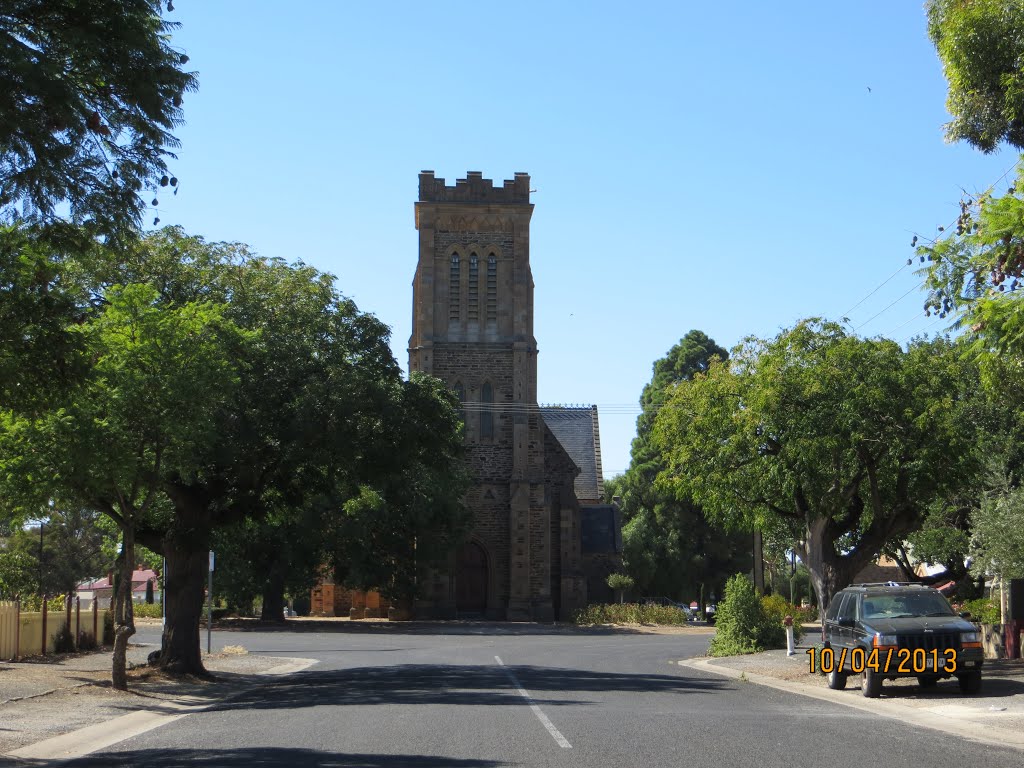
(473,299)
(454,284)
(492,288)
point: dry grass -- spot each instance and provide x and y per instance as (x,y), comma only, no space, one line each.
(234,650)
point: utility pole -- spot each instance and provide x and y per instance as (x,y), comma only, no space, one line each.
(41,523)
(758,563)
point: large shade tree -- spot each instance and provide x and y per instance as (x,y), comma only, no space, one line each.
(144,416)
(842,441)
(409,515)
(669,546)
(92,90)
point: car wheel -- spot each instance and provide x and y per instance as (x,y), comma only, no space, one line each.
(926,681)
(836,679)
(871,686)
(970,682)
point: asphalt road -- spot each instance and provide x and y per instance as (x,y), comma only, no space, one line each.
(468,695)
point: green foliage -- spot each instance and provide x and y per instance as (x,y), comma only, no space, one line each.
(41,355)
(108,628)
(91,94)
(148,610)
(840,441)
(72,551)
(741,624)
(776,608)
(981,46)
(630,613)
(983,610)
(411,514)
(669,547)
(997,545)
(973,273)
(63,641)
(620,581)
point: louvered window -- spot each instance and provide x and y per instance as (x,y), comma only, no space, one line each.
(473,299)
(453,288)
(492,287)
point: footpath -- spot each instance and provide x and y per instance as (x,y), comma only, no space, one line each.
(993,716)
(62,708)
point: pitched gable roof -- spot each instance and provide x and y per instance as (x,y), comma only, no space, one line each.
(578,431)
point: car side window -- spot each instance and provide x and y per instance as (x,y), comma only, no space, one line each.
(835,606)
(849,609)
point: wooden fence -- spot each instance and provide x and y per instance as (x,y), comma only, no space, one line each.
(34,633)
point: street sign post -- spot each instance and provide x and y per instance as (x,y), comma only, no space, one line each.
(209,607)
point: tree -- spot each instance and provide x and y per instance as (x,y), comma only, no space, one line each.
(72,550)
(92,91)
(411,515)
(669,547)
(42,301)
(981,46)
(997,544)
(143,417)
(312,371)
(974,273)
(843,441)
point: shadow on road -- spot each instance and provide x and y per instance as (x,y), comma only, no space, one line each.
(471,685)
(265,757)
(385,627)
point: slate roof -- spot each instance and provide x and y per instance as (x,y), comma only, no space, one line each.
(578,431)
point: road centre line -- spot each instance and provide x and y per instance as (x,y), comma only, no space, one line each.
(555,733)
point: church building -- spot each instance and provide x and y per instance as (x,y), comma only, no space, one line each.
(531,466)
(542,542)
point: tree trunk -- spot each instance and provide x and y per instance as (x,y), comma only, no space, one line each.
(185,583)
(829,571)
(124,614)
(273,596)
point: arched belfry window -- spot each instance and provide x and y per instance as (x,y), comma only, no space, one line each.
(473,294)
(492,287)
(454,284)
(486,414)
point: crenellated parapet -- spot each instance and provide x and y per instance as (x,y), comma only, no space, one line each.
(474,189)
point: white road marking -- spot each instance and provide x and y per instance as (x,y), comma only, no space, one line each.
(96,737)
(93,738)
(555,733)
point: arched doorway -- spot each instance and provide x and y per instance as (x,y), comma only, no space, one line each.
(471,580)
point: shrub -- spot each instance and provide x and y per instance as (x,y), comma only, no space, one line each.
(63,641)
(630,613)
(777,608)
(742,626)
(149,610)
(86,641)
(983,610)
(108,627)
(620,581)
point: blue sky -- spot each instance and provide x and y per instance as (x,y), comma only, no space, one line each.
(731,167)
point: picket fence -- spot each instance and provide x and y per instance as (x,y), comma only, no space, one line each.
(33,633)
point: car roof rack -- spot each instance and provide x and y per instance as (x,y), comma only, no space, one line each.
(891,584)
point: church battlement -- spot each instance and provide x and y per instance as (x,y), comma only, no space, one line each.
(474,189)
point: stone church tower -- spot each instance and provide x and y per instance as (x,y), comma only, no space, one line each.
(473,328)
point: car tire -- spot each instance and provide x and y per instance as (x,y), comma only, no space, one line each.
(970,682)
(836,679)
(926,681)
(871,686)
